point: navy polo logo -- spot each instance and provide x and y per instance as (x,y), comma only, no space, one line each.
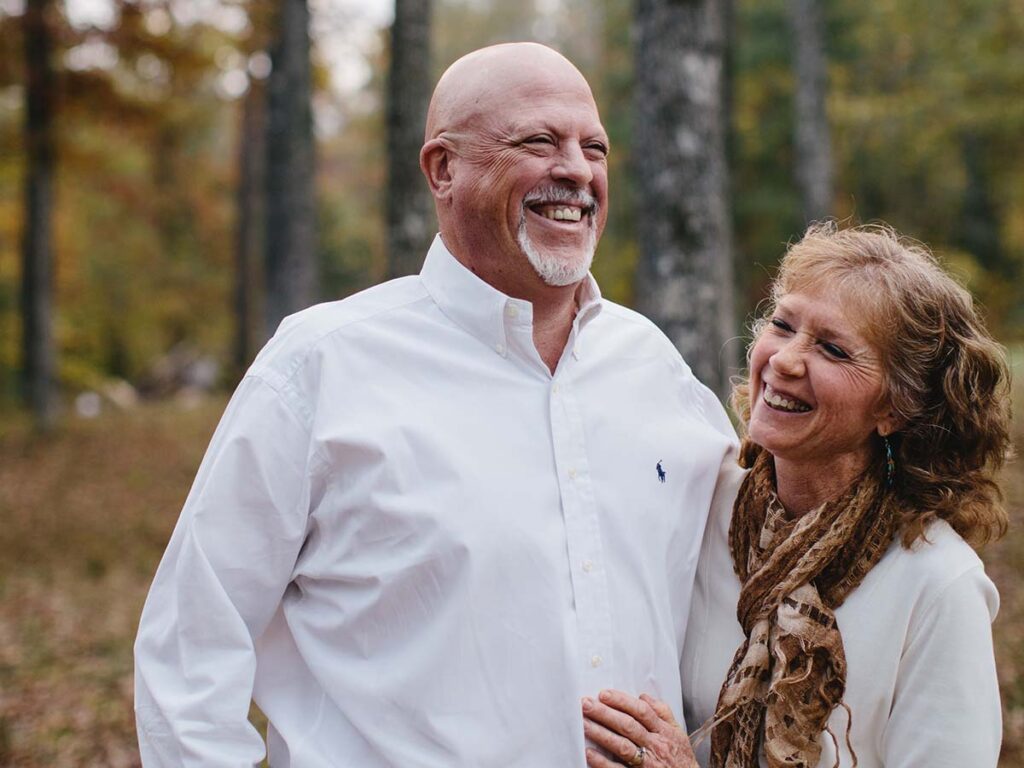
(661,472)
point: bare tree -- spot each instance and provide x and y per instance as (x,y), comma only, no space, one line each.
(39,357)
(812,138)
(684,275)
(410,210)
(290,210)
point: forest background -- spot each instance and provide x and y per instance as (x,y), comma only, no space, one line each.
(154,312)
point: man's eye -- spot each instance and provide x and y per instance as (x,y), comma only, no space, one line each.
(540,140)
(598,147)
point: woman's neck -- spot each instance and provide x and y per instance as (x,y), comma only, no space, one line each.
(805,485)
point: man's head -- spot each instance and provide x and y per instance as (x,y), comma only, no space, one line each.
(516,159)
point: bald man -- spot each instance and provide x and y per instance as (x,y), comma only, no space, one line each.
(438,513)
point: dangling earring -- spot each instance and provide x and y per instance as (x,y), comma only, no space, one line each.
(890,462)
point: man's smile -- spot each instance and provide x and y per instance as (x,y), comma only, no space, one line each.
(562,206)
(560,212)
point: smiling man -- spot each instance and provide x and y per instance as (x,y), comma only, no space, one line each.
(438,513)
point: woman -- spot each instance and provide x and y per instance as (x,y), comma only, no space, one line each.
(842,605)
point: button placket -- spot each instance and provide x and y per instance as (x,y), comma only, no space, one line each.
(590,589)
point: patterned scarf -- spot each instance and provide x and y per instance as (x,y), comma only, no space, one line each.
(790,672)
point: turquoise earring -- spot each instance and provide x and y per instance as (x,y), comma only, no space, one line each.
(890,462)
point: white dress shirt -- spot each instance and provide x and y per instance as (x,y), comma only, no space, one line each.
(921,679)
(413,545)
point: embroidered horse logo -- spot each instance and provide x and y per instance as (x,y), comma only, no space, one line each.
(661,472)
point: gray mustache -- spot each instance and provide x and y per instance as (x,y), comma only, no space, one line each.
(560,194)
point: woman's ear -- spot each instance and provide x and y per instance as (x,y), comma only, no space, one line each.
(435,161)
(889,423)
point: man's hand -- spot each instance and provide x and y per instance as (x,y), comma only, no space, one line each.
(635,732)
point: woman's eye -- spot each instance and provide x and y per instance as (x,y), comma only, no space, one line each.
(782,325)
(834,351)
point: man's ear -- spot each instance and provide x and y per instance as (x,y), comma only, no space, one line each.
(435,161)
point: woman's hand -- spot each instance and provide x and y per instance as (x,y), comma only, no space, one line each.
(636,732)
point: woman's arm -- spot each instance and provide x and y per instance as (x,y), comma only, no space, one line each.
(945,711)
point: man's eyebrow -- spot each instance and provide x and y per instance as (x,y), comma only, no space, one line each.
(521,128)
(514,129)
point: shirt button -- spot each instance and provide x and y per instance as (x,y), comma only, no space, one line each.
(512,310)
(588,566)
(595,661)
(499,348)
(572,474)
(554,389)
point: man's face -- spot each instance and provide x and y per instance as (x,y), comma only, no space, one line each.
(531,184)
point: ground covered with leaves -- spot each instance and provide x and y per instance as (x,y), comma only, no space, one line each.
(84,517)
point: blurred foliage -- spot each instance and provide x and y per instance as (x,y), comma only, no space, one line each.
(926,110)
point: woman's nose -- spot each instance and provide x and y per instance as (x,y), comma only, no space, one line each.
(788,360)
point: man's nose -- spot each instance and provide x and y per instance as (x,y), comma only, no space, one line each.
(572,165)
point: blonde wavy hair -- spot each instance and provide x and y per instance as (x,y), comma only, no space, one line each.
(943,374)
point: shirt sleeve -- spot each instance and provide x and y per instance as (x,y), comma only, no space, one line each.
(221,579)
(945,711)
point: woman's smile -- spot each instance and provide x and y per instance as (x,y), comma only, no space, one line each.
(779,401)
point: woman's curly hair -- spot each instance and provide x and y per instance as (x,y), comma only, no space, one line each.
(944,375)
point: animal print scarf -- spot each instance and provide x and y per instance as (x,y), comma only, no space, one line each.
(790,672)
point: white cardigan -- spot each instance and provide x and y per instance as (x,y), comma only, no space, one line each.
(921,678)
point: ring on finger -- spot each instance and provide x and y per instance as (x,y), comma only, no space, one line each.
(638,759)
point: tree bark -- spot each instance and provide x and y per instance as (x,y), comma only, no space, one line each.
(38,354)
(290,211)
(813,145)
(410,210)
(248,229)
(684,274)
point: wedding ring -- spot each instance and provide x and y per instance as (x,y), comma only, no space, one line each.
(638,759)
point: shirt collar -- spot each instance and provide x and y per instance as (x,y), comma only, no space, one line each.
(485,312)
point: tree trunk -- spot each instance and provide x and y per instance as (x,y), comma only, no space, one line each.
(248,226)
(410,209)
(38,353)
(684,274)
(290,212)
(813,146)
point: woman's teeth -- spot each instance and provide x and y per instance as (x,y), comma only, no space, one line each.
(782,404)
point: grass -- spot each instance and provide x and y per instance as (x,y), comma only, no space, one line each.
(85,516)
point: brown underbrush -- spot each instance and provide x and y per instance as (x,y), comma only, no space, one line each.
(85,516)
